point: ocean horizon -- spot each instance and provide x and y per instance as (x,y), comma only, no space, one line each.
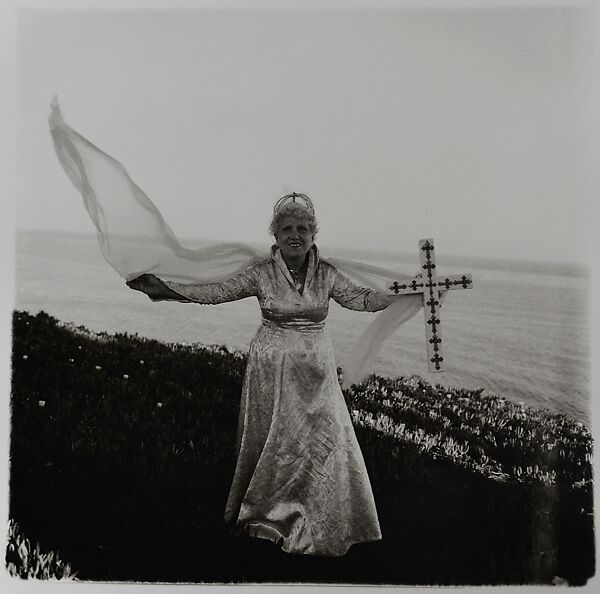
(521,333)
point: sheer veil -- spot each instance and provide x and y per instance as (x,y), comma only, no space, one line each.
(135,239)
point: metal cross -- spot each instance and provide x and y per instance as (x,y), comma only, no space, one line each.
(431,286)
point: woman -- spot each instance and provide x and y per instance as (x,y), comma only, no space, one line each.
(300,478)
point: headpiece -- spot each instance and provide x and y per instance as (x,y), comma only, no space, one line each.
(294,197)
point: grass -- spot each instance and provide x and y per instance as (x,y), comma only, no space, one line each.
(122,454)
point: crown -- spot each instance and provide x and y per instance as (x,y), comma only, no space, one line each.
(294,197)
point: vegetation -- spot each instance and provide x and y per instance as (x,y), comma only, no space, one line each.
(25,561)
(488,435)
(122,453)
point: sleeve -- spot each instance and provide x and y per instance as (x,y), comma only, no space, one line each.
(352,296)
(240,286)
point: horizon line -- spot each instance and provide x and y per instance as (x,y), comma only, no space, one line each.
(581,266)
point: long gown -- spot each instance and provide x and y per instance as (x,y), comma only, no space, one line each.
(300,478)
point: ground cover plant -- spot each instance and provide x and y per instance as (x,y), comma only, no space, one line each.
(122,454)
(27,561)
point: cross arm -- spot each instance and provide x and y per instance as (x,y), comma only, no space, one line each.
(418,284)
(457,281)
(408,287)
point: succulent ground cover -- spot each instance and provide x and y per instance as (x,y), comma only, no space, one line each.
(27,561)
(122,453)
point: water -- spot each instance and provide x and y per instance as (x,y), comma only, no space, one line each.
(521,333)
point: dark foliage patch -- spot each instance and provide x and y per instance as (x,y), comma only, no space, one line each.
(122,454)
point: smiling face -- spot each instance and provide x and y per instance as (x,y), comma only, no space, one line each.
(294,239)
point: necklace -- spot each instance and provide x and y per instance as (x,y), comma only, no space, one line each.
(298,273)
(295,274)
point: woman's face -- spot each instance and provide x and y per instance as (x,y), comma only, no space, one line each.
(294,237)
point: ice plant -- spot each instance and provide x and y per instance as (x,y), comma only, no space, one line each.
(25,561)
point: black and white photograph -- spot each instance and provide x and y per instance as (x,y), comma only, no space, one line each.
(300,293)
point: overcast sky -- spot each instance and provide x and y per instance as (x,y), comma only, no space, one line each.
(469,126)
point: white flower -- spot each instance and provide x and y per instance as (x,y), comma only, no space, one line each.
(25,356)
(98,367)
(141,361)
(41,403)
(159,404)
(559,581)
(71,360)
(125,376)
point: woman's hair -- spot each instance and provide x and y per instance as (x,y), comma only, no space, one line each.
(297,210)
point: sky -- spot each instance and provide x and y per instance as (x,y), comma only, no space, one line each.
(471,126)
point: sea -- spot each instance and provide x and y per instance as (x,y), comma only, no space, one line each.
(522,332)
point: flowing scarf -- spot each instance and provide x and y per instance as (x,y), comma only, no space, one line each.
(135,239)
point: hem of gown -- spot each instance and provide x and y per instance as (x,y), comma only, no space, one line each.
(258,530)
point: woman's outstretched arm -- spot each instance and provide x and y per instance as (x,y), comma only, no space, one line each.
(353,296)
(240,286)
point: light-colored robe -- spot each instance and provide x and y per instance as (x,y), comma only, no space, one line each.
(300,478)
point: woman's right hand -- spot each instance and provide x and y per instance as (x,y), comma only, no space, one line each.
(147,283)
(155,288)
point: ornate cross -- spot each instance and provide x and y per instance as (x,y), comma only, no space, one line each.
(431,286)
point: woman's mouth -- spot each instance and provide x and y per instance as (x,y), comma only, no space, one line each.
(295,244)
